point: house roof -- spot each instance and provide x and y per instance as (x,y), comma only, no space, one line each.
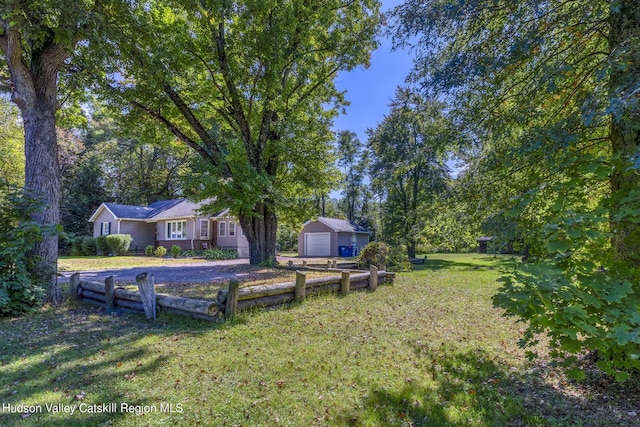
(165,209)
(341,225)
(183,209)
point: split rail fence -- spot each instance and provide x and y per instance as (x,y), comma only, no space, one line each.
(228,301)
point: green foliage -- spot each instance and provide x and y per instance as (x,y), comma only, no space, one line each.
(354,160)
(175,251)
(552,158)
(249,86)
(89,246)
(76,246)
(213,253)
(12,137)
(287,238)
(149,250)
(102,246)
(408,170)
(160,251)
(20,288)
(380,254)
(119,243)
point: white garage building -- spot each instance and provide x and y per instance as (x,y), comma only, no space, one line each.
(331,237)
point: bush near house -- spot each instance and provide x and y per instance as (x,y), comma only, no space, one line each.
(160,251)
(102,246)
(175,251)
(76,246)
(149,250)
(119,243)
(89,246)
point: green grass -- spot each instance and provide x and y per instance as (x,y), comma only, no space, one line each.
(100,263)
(428,351)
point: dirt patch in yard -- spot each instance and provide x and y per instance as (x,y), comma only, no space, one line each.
(246,274)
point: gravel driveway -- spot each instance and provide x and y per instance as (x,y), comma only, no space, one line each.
(205,271)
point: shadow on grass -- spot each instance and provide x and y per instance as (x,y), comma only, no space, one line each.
(468,388)
(434,263)
(79,356)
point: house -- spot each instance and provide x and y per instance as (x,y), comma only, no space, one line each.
(171,222)
(331,237)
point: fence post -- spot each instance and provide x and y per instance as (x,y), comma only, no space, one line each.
(334,264)
(232,299)
(148,294)
(344,282)
(373,277)
(74,282)
(301,279)
(290,264)
(304,263)
(110,295)
(328,264)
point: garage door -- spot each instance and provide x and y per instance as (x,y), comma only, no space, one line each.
(318,244)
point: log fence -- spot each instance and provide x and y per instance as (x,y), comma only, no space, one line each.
(229,300)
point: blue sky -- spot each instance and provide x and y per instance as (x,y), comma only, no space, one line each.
(371,90)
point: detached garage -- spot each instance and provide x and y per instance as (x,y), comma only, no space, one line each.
(331,237)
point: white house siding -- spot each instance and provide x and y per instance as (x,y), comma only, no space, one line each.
(238,242)
(105,216)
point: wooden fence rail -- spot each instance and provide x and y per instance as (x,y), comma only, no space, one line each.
(228,301)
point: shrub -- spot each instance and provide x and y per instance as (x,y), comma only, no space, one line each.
(220,254)
(160,251)
(76,246)
(380,254)
(102,246)
(89,246)
(149,250)
(119,243)
(175,251)
(19,285)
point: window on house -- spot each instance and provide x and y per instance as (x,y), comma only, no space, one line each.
(232,229)
(105,228)
(222,229)
(176,230)
(204,229)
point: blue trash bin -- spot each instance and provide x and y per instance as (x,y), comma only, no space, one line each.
(343,251)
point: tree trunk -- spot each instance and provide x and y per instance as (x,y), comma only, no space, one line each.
(411,248)
(35,92)
(42,181)
(625,138)
(260,227)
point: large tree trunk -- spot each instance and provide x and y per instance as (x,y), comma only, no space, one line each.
(42,180)
(625,137)
(260,226)
(34,78)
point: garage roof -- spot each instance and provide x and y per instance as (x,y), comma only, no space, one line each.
(341,225)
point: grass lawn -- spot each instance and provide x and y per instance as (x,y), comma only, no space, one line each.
(428,351)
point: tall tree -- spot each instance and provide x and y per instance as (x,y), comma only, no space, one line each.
(550,89)
(354,161)
(36,38)
(408,168)
(249,86)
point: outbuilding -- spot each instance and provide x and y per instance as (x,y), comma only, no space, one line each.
(331,237)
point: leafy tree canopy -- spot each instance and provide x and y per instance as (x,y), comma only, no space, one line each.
(247,85)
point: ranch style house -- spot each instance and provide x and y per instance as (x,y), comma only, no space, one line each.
(171,222)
